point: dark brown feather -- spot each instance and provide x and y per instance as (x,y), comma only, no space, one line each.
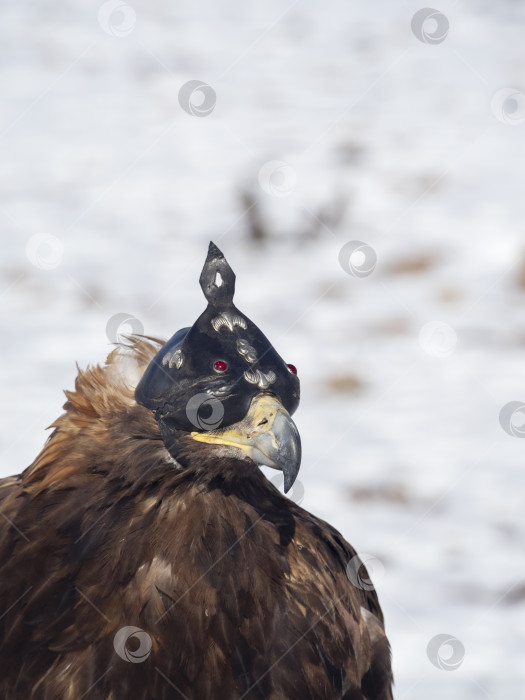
(242,593)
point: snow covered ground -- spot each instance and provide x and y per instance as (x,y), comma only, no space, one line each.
(404,133)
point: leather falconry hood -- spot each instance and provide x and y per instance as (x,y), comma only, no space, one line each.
(223,355)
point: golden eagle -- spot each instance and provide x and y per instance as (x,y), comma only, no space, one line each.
(145,555)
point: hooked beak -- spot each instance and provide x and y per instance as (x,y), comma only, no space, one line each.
(267,434)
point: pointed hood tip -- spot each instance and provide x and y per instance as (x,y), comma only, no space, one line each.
(213,252)
(217,279)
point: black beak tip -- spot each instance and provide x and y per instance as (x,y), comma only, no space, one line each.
(291,462)
(289,481)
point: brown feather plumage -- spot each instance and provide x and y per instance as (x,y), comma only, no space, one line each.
(242,593)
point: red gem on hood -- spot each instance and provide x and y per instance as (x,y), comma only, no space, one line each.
(220,366)
(292,368)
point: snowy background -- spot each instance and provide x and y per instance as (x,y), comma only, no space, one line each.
(324,124)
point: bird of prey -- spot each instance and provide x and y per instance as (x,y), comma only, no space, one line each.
(145,555)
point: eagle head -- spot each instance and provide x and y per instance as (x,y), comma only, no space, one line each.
(222,382)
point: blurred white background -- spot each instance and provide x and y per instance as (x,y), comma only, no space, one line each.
(404,133)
